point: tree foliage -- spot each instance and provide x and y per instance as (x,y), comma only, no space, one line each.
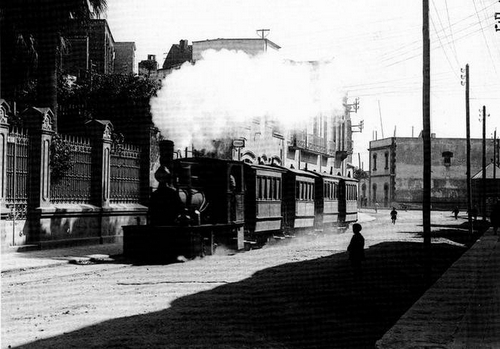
(30,48)
(60,158)
(360,174)
(122,99)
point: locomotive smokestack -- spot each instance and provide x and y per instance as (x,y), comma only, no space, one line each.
(166,153)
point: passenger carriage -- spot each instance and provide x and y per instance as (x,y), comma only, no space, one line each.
(263,202)
(298,200)
(348,200)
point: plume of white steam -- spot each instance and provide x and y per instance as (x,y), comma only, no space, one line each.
(227,89)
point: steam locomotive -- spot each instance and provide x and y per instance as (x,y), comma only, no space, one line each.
(241,205)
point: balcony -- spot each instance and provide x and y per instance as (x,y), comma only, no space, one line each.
(312,143)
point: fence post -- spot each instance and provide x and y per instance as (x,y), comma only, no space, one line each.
(100,131)
(38,121)
(149,151)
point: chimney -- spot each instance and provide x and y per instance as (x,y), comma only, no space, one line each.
(183,44)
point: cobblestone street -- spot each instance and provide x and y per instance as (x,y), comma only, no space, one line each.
(300,293)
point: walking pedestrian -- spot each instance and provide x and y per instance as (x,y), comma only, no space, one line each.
(376,207)
(455,212)
(356,248)
(495,216)
(474,212)
(394,215)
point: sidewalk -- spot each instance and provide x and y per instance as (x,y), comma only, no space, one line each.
(12,261)
(461,310)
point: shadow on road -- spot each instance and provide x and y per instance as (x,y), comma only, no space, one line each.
(319,303)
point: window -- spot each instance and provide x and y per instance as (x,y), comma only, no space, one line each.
(447,155)
(374,162)
(386,160)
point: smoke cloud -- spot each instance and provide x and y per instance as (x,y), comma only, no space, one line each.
(226,89)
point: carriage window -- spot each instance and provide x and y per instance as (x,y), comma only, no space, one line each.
(297,190)
(278,189)
(258,186)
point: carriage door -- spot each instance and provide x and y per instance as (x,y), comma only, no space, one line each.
(342,201)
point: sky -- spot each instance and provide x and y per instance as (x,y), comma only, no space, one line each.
(375,46)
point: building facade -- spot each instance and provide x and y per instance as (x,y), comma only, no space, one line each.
(92,49)
(396,171)
(124,58)
(249,46)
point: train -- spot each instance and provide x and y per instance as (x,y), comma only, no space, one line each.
(242,205)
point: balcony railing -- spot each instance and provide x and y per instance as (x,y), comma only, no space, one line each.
(312,143)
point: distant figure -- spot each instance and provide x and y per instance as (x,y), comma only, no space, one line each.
(474,212)
(455,212)
(394,215)
(495,216)
(356,248)
(376,207)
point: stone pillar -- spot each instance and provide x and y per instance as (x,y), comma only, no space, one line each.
(4,132)
(38,121)
(100,131)
(149,155)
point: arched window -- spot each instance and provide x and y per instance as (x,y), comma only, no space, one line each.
(386,194)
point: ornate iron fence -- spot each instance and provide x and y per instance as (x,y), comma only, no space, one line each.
(16,195)
(74,186)
(125,174)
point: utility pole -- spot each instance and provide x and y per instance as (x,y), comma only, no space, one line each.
(263,32)
(426,135)
(381,124)
(467,127)
(495,155)
(483,198)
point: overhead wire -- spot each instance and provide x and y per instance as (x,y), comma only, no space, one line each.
(484,36)
(451,30)
(444,31)
(417,46)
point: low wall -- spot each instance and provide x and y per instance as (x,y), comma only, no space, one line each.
(68,225)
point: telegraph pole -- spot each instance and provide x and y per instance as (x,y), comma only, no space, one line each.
(426,135)
(483,199)
(467,127)
(495,155)
(263,32)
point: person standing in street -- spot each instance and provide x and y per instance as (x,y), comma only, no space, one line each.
(455,212)
(495,216)
(356,248)
(394,215)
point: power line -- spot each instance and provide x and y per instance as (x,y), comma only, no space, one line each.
(445,54)
(484,36)
(451,30)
